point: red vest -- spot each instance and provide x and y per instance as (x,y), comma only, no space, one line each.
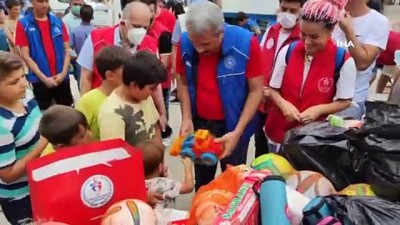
(105,37)
(155,31)
(386,57)
(269,49)
(319,87)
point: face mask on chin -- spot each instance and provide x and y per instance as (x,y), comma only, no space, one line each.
(136,35)
(287,20)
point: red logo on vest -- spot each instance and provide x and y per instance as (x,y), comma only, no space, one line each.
(325,84)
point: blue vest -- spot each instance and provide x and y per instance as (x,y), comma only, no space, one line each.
(36,49)
(231,74)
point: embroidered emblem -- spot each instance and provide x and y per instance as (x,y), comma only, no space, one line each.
(325,84)
(229,62)
(270,43)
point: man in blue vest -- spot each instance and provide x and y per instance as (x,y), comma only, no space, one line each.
(44,43)
(220,83)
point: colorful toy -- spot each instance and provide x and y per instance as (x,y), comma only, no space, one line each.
(358,190)
(311,184)
(129,212)
(199,146)
(275,163)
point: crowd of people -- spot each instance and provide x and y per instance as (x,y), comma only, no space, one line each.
(317,59)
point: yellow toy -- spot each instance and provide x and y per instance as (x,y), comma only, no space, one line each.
(358,190)
(275,163)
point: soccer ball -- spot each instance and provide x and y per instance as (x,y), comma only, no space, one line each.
(358,190)
(129,212)
(274,163)
(310,184)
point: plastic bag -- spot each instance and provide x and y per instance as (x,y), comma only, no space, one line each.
(364,210)
(382,119)
(377,149)
(320,147)
(379,163)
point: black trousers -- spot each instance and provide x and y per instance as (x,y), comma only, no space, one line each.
(17,212)
(60,94)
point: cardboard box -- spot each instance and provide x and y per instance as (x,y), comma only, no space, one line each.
(77,185)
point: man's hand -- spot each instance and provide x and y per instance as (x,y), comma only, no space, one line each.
(290,111)
(229,141)
(346,22)
(310,114)
(163,121)
(186,127)
(266,92)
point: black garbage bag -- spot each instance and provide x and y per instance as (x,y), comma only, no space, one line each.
(382,119)
(378,161)
(322,148)
(359,210)
(377,150)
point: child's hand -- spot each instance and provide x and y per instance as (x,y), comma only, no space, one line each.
(153,198)
(187,162)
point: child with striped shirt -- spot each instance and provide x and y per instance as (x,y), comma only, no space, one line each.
(20,141)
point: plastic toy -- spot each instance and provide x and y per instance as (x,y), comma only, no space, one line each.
(199,146)
(129,212)
(275,163)
(358,190)
(310,184)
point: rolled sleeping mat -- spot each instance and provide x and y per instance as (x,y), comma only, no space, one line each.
(273,200)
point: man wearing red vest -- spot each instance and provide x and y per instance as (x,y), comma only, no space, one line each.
(386,60)
(275,38)
(130,33)
(163,36)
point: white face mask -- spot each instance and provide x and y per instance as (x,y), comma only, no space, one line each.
(136,35)
(287,20)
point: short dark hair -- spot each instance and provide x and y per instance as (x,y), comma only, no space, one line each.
(153,155)
(86,13)
(59,124)
(111,58)
(143,68)
(241,16)
(301,2)
(11,3)
(9,62)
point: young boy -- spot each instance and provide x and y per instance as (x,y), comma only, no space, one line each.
(78,37)
(109,62)
(129,112)
(20,140)
(285,31)
(153,160)
(64,126)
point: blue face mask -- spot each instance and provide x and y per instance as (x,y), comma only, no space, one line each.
(76,10)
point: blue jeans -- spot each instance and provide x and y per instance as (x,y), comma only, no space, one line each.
(205,174)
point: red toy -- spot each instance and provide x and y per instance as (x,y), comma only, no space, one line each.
(199,146)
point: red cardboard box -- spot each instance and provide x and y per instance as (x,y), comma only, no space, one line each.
(76,185)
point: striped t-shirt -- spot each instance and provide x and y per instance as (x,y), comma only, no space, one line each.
(18,135)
